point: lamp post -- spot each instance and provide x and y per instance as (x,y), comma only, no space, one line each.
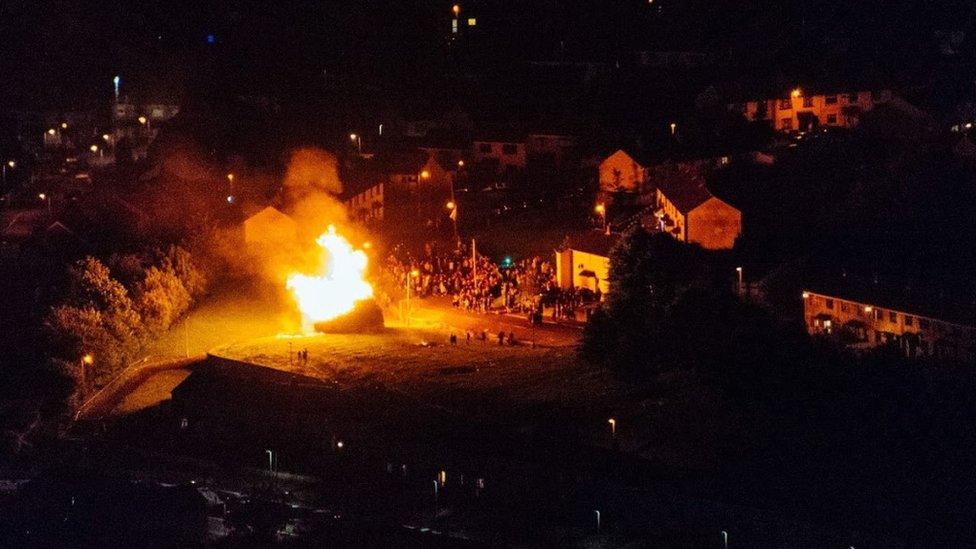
(8,164)
(46,198)
(410,276)
(358,140)
(725,539)
(601,210)
(452,207)
(115,82)
(738,272)
(85,361)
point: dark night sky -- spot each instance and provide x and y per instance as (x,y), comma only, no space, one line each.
(65,53)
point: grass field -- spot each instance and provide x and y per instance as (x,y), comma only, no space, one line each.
(423,363)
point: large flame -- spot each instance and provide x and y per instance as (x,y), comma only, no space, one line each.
(338,285)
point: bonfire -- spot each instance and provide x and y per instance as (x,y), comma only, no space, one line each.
(338,285)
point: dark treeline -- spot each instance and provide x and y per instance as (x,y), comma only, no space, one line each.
(873,439)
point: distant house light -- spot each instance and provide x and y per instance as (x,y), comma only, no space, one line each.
(472,21)
(211,38)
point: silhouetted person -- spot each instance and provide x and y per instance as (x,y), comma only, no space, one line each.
(501,337)
(453,338)
(511,338)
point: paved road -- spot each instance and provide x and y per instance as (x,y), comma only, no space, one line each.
(438,312)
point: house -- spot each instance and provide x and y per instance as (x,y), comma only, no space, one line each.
(800,110)
(552,147)
(583,262)
(866,323)
(270,229)
(689,212)
(404,186)
(503,151)
(621,173)
(364,202)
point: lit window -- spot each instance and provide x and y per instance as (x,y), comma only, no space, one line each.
(472,21)
(454,26)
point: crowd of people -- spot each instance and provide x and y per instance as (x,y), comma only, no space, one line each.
(527,286)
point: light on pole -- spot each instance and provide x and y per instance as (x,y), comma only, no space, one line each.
(358,140)
(410,276)
(725,540)
(46,198)
(270,461)
(613,427)
(115,81)
(8,164)
(86,361)
(738,272)
(597,512)
(674,128)
(601,210)
(452,208)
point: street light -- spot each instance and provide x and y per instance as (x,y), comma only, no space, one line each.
(45,198)
(8,164)
(93,148)
(358,140)
(456,9)
(424,174)
(674,128)
(64,125)
(796,92)
(601,210)
(460,163)
(86,360)
(411,275)
(738,271)
(52,131)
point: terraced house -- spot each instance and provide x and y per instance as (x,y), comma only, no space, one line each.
(862,325)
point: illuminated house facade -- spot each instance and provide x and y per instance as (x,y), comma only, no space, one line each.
(689,212)
(863,325)
(620,172)
(583,262)
(799,111)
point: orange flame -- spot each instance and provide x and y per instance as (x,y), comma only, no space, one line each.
(337,286)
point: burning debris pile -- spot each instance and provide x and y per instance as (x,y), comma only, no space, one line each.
(337,297)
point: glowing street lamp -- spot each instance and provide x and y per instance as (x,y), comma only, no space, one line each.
(601,210)
(674,128)
(456,9)
(106,136)
(45,198)
(795,93)
(86,361)
(450,205)
(115,81)
(410,276)
(460,163)
(613,427)
(52,131)
(738,271)
(8,164)
(143,120)
(64,125)
(425,174)
(358,139)
(93,148)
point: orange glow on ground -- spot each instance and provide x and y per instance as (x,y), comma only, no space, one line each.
(337,285)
